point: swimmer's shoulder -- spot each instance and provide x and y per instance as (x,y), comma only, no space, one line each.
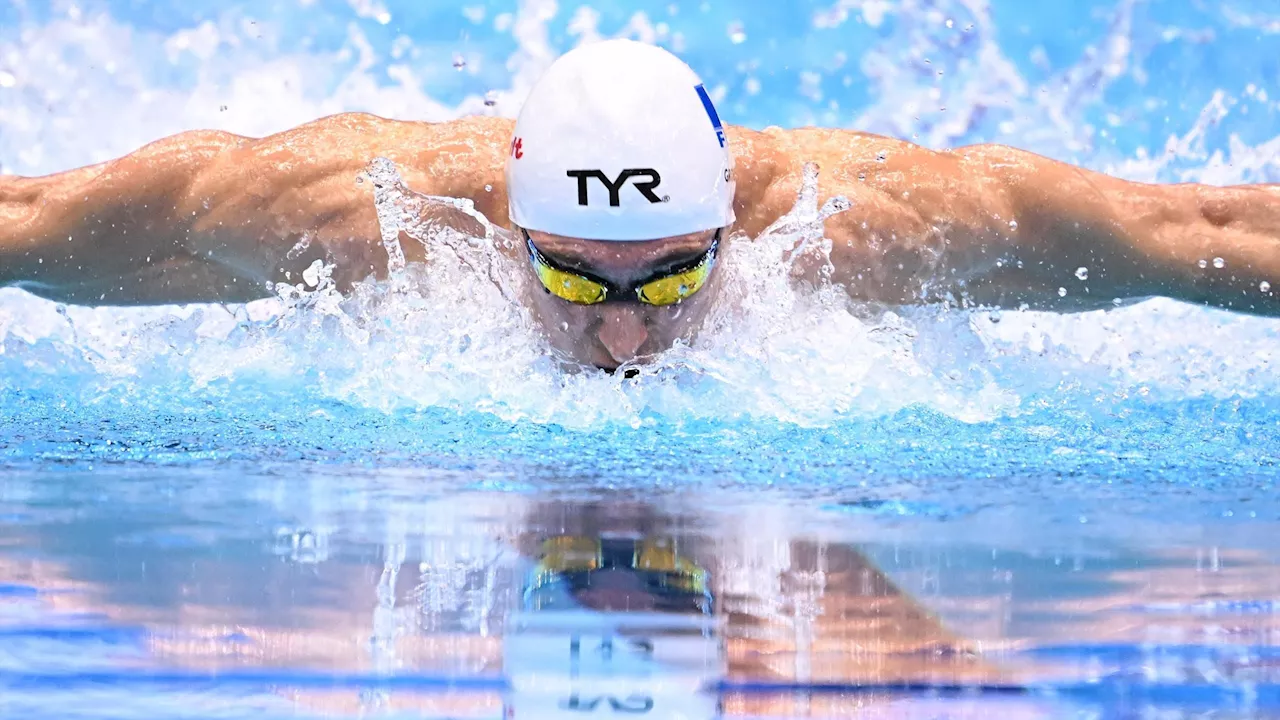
(358,129)
(454,157)
(805,135)
(768,165)
(783,151)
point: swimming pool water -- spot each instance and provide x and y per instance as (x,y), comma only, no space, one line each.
(320,506)
(251,590)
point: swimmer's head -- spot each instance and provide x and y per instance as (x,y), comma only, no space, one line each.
(619,176)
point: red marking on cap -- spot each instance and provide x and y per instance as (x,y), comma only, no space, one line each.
(517,147)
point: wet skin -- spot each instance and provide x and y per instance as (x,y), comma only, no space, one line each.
(210,216)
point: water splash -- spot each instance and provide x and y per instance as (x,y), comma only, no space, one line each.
(805,222)
(450,334)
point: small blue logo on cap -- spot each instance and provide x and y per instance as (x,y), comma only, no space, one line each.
(711,113)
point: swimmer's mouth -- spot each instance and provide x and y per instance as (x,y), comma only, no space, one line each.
(627,373)
(631,368)
(628,369)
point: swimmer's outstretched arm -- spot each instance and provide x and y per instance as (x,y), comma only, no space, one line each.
(993,225)
(210,216)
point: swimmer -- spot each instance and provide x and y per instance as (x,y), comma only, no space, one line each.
(623,190)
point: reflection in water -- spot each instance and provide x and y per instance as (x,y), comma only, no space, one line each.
(493,604)
(615,624)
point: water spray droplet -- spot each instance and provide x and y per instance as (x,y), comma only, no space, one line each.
(1082,273)
(1219,263)
(488,188)
(737,34)
(1203,263)
(951,23)
(1062,292)
(1013,224)
(1264,286)
(303,244)
(459,62)
(881,156)
(491,98)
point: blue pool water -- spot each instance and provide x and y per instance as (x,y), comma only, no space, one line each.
(322,506)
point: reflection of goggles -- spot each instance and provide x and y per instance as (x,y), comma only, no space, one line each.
(666,288)
(573,559)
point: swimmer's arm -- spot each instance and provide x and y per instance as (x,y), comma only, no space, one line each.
(992,225)
(1079,239)
(114,232)
(208,216)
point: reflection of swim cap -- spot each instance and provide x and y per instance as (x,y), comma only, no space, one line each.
(619,141)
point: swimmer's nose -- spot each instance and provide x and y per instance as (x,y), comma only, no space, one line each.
(622,332)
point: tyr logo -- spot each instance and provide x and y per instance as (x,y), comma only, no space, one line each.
(646,187)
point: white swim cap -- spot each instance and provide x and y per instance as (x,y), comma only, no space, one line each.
(618,140)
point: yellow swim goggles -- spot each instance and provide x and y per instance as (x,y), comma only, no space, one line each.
(570,561)
(666,288)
